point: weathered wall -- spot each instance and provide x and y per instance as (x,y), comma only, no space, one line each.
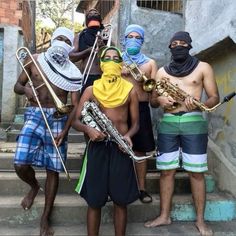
(209,22)
(18,13)
(214,36)
(159,27)
(10,71)
(16,18)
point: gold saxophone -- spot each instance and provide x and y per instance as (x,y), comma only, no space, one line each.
(165,88)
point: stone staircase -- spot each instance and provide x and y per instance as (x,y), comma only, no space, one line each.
(69,214)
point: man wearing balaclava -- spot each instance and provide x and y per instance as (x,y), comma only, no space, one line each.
(107,170)
(183,130)
(35,145)
(83,44)
(143,140)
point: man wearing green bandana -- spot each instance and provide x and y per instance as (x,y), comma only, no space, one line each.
(108,171)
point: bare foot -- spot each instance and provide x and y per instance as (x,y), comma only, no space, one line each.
(204,229)
(159,221)
(45,229)
(28,200)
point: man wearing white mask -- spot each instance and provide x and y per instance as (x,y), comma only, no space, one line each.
(35,146)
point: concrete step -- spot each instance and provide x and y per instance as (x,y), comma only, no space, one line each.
(75,153)
(72,209)
(12,185)
(133,229)
(74,161)
(72,137)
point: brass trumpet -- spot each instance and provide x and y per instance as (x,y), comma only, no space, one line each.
(165,88)
(138,75)
(21,55)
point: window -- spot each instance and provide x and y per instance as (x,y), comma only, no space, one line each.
(175,6)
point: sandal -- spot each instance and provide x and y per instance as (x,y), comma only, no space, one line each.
(144,197)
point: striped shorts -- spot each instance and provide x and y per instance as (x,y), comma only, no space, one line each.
(34,143)
(183,137)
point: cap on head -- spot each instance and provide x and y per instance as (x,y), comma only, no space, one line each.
(64,32)
(134,28)
(182,36)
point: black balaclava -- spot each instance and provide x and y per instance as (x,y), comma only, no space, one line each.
(182,62)
(88,35)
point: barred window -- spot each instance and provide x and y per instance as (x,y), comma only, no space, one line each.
(175,6)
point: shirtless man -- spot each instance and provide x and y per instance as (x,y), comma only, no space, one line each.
(109,172)
(35,146)
(183,128)
(83,44)
(143,140)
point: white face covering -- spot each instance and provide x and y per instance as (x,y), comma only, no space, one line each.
(59,51)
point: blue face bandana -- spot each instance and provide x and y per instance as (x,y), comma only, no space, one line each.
(133,45)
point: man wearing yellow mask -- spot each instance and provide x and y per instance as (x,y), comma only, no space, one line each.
(107,170)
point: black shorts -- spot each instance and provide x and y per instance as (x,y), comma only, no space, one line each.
(89,82)
(143,140)
(110,172)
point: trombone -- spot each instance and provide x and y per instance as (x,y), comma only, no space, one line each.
(105,34)
(139,76)
(21,54)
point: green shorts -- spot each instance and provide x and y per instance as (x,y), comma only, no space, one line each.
(185,136)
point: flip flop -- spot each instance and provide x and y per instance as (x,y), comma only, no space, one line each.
(144,197)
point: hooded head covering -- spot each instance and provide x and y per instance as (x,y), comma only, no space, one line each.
(111,90)
(94,15)
(63,74)
(182,63)
(65,32)
(135,28)
(183,36)
(134,44)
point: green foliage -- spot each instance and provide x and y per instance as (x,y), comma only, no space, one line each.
(59,12)
(56,10)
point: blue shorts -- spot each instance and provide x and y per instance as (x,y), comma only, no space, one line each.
(183,136)
(34,143)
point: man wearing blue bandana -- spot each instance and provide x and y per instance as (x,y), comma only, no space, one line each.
(143,140)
